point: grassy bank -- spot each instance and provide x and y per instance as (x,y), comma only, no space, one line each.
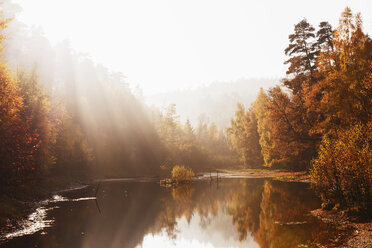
(277,174)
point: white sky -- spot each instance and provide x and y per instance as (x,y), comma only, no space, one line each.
(165,45)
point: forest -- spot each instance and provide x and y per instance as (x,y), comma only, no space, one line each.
(62,116)
(319,119)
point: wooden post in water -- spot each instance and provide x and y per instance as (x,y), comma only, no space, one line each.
(97,189)
(97,205)
(217,175)
(210,174)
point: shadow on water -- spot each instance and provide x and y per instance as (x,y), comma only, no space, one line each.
(234,213)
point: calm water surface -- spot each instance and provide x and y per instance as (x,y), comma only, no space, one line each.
(231,213)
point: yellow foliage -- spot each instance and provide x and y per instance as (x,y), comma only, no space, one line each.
(182,173)
(342,172)
(183,193)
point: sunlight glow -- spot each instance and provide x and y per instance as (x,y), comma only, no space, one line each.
(167,45)
(200,233)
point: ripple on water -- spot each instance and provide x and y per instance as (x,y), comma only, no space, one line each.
(37,220)
(34,223)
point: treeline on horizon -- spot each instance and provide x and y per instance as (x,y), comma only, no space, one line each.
(215,102)
(320,119)
(62,115)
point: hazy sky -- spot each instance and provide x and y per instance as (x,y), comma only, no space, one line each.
(165,45)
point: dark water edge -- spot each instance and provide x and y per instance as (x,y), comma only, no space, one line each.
(130,213)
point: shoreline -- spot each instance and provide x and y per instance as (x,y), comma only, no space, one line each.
(361,236)
(281,175)
(18,203)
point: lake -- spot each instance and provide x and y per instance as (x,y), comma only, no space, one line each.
(232,212)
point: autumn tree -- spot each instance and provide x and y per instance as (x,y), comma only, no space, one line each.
(342,95)
(342,170)
(188,131)
(261,108)
(182,173)
(17,143)
(168,126)
(347,84)
(37,111)
(283,134)
(302,74)
(292,111)
(287,147)
(72,152)
(244,137)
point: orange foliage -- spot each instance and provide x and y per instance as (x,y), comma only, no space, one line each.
(17,144)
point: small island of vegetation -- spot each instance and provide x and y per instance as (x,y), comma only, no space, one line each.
(180,175)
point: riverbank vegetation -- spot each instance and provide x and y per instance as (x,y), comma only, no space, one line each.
(181,173)
(320,118)
(64,118)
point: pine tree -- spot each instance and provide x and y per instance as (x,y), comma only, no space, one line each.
(302,55)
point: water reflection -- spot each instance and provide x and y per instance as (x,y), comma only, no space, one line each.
(237,213)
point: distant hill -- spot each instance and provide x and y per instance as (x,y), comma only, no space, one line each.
(215,102)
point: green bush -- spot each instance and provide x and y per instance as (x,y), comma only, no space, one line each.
(342,171)
(181,173)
